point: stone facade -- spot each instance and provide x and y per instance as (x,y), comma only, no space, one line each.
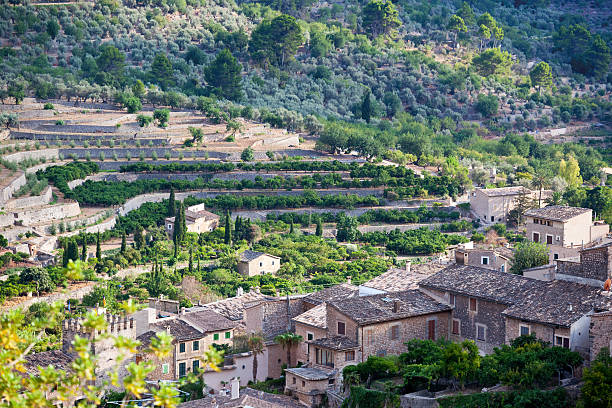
(49,213)
(308,333)
(600,335)
(487,317)
(596,263)
(309,390)
(550,334)
(261,265)
(484,258)
(493,205)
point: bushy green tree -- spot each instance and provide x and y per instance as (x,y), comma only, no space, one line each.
(541,76)
(487,105)
(276,41)
(161,116)
(247,155)
(162,71)
(492,61)
(597,389)
(132,104)
(38,278)
(529,255)
(224,75)
(380,17)
(456,25)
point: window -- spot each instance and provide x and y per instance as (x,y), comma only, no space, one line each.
(549,239)
(228,335)
(195,366)
(473,305)
(536,237)
(169,226)
(481,332)
(324,357)
(549,223)
(165,368)
(484,260)
(216,336)
(341,328)
(303,383)
(456,326)
(555,256)
(395,332)
(557,238)
(309,336)
(261,264)
(561,341)
(294,380)
(182,370)
(272,262)
(431,329)
(349,355)
(196,345)
(370,337)
(524,330)
(492,218)
(181,347)
(452,299)
(503,268)
(535,220)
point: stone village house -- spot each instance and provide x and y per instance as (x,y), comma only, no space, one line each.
(492,205)
(251,263)
(197,220)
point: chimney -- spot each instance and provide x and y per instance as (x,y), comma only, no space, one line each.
(348,280)
(408,263)
(182,311)
(235,388)
(396,306)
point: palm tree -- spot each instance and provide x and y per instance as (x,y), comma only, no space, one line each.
(288,340)
(541,179)
(256,346)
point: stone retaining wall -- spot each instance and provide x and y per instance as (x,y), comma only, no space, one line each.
(6,192)
(47,214)
(32,154)
(25,202)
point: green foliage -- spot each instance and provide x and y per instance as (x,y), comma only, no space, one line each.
(162,71)
(133,105)
(597,389)
(529,255)
(380,17)
(144,120)
(276,41)
(224,75)
(247,155)
(61,175)
(37,278)
(161,116)
(588,54)
(557,398)
(362,397)
(487,105)
(541,75)
(492,61)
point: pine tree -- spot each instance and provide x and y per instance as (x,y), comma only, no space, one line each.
(319,230)
(190,260)
(171,204)
(123,242)
(98,249)
(84,249)
(228,228)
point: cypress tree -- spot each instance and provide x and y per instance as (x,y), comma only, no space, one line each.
(319,230)
(138,238)
(366,107)
(123,242)
(291,228)
(171,204)
(175,241)
(228,228)
(98,249)
(71,252)
(199,270)
(183,222)
(238,228)
(190,260)
(84,249)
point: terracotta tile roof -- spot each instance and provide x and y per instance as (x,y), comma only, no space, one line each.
(487,284)
(398,279)
(336,292)
(248,398)
(56,358)
(309,373)
(557,212)
(145,338)
(316,317)
(380,308)
(208,320)
(335,343)
(179,329)
(207,215)
(560,303)
(503,191)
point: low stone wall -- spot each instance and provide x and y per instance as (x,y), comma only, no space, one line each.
(78,138)
(6,192)
(25,202)
(134,152)
(92,229)
(47,214)
(6,220)
(32,154)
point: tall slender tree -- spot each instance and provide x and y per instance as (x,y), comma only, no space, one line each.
(319,230)
(228,228)
(83,248)
(190,259)
(366,106)
(98,249)
(171,204)
(123,242)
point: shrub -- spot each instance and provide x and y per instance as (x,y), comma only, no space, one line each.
(48,106)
